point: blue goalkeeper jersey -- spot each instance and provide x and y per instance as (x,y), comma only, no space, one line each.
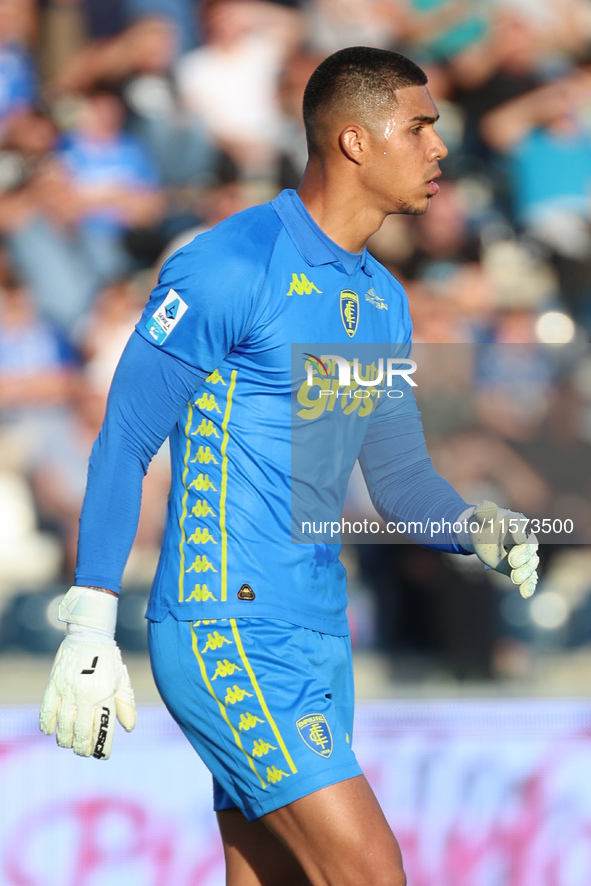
(230,305)
(242,293)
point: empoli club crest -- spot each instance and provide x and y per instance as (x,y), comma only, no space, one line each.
(349,311)
(315,731)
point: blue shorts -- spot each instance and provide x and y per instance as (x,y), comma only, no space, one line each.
(267,705)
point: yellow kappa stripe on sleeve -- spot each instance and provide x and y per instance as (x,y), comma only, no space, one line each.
(184,506)
(224,489)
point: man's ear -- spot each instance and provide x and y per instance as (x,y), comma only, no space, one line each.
(354,143)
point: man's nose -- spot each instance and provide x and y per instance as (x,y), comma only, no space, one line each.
(437,150)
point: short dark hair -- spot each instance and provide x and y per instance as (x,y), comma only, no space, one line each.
(361,79)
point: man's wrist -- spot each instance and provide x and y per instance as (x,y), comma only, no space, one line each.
(463,536)
(85,634)
(88,607)
(104,590)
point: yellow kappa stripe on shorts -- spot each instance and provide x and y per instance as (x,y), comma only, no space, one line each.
(260,696)
(222,707)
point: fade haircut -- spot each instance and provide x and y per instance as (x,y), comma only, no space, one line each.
(359,80)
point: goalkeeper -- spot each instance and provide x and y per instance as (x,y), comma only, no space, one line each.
(248,635)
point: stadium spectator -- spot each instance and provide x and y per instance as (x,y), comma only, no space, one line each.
(546,143)
(18,75)
(139,62)
(44,376)
(431,29)
(505,63)
(561,454)
(104,19)
(67,237)
(147,47)
(37,372)
(445,269)
(58,480)
(109,325)
(231,81)
(291,142)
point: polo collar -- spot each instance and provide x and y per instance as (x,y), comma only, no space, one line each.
(309,239)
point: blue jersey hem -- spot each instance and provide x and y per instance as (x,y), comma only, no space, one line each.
(301,789)
(337,626)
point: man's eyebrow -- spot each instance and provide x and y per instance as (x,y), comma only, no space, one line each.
(423,118)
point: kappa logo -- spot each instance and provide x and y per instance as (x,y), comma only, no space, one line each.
(302,286)
(316,733)
(349,306)
(376,300)
(166,317)
(274,775)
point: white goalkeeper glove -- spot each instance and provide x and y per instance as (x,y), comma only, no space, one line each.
(499,539)
(88,684)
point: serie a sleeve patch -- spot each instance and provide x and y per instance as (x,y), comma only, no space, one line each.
(166,317)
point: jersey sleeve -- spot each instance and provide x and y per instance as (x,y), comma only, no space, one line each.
(402,481)
(149,390)
(202,304)
(198,312)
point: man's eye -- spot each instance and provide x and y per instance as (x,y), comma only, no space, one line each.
(416,129)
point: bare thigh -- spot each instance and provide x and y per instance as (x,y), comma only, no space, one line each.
(338,834)
(254,855)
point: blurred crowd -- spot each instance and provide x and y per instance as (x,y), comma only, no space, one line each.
(127,126)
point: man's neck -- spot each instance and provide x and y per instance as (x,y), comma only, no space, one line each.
(340,210)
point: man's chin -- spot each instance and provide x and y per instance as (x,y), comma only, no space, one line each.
(415,209)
